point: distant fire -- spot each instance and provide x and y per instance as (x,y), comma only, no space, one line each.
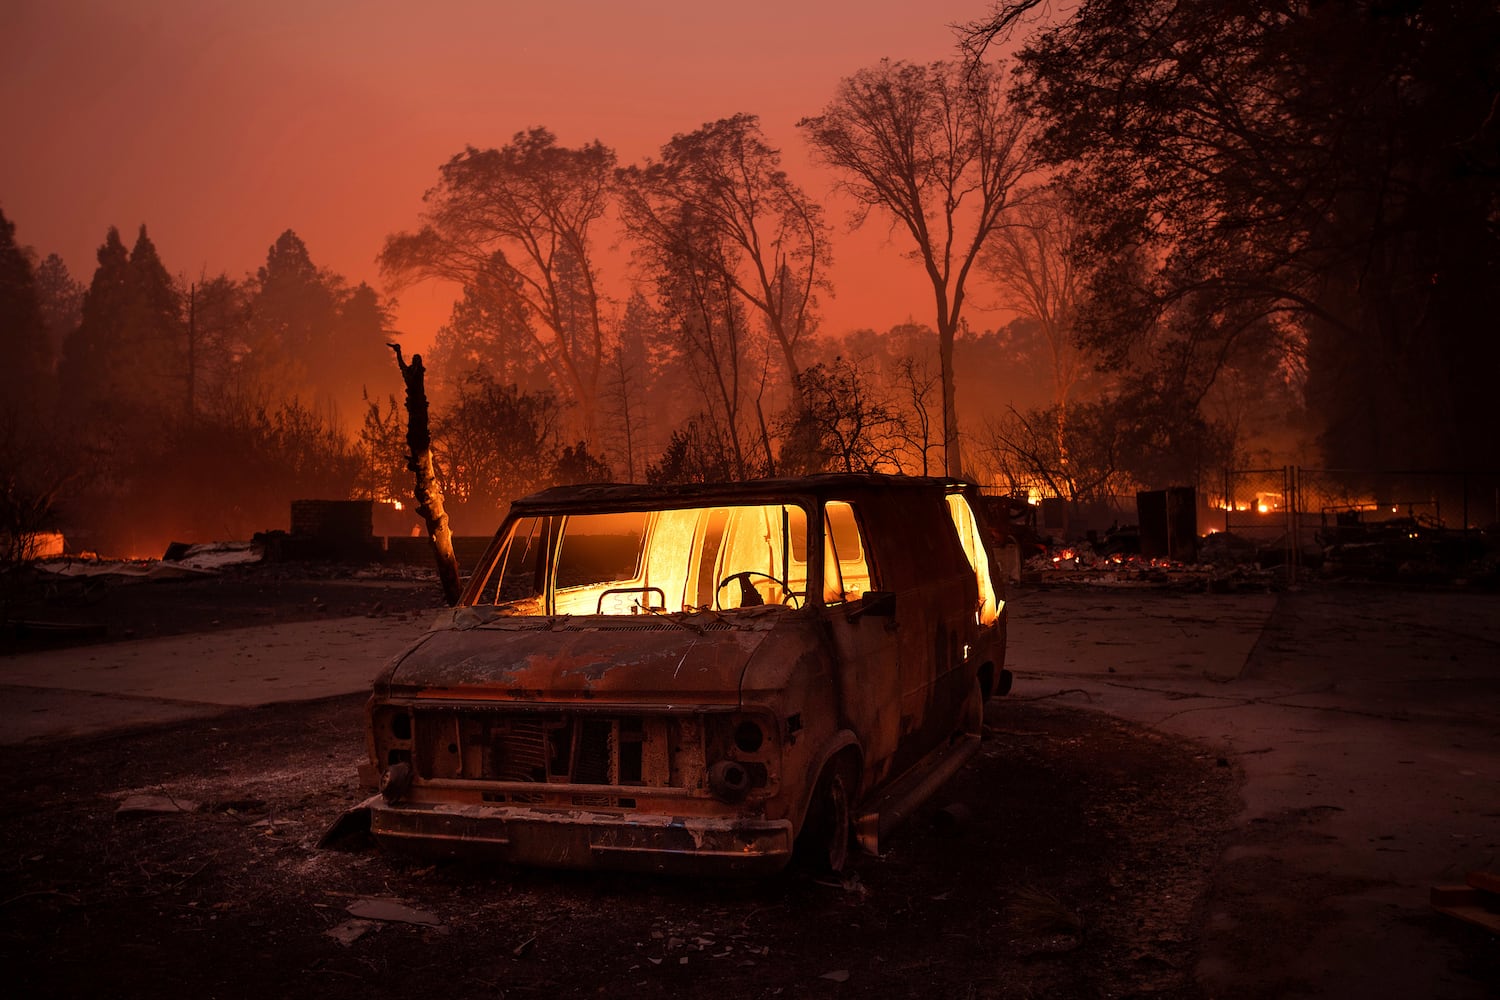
(1264,503)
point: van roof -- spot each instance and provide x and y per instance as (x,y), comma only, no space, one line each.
(813,487)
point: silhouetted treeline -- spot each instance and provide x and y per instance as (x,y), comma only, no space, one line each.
(1230,234)
(145,408)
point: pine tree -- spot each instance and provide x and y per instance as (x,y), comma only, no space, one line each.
(356,362)
(158,331)
(60,298)
(23,333)
(292,311)
(124,368)
(85,371)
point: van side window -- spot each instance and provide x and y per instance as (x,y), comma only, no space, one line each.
(967,527)
(846,569)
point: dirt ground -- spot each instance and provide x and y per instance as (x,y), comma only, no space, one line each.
(1076,867)
(1076,873)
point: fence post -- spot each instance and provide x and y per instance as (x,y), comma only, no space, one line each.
(1464,488)
(1290,492)
(1228,503)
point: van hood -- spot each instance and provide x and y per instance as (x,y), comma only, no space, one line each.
(662,660)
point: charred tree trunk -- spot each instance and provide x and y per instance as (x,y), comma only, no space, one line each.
(419,461)
(953,464)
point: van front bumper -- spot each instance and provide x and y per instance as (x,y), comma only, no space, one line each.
(581,838)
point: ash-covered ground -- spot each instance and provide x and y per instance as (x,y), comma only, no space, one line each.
(1187,795)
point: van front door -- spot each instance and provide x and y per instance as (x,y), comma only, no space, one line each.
(866,642)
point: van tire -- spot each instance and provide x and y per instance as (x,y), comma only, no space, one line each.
(824,843)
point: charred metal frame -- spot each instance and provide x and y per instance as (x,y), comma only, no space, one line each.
(699,740)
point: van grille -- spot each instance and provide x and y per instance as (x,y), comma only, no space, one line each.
(560,748)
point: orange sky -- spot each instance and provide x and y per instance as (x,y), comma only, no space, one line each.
(221,123)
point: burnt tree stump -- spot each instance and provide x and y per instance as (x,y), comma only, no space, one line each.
(419,461)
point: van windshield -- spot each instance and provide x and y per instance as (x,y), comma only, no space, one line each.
(632,562)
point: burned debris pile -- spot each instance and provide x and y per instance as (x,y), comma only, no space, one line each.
(1396,543)
(1385,543)
(1399,551)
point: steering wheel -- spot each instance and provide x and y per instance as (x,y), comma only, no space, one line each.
(749,596)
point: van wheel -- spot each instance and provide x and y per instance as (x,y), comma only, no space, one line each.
(823,844)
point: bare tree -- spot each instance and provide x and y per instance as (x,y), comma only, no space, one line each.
(938,149)
(1027,453)
(916,380)
(848,423)
(518,220)
(383,475)
(711,325)
(766,236)
(629,378)
(706,315)
(1005,16)
(1029,262)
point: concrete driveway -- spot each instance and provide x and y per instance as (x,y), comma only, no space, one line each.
(94,689)
(1367,726)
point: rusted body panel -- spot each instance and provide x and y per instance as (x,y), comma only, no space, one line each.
(770,660)
(570,658)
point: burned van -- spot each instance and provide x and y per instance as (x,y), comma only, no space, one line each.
(695,678)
